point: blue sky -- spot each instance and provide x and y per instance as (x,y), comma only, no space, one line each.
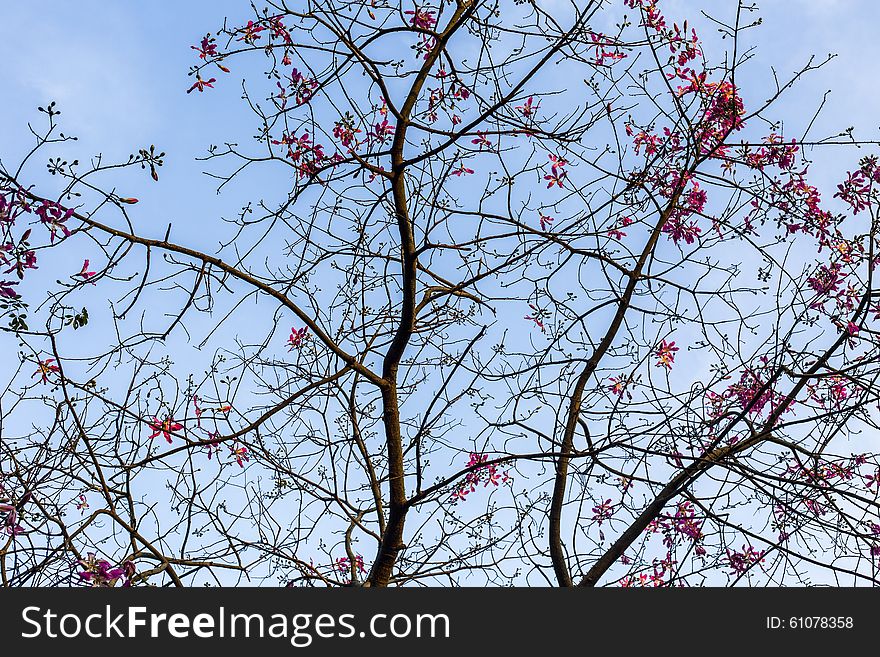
(118,73)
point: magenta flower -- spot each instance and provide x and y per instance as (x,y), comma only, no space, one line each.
(82,504)
(665,354)
(200,84)
(482,141)
(345,131)
(164,427)
(84,272)
(45,368)
(251,32)
(241,455)
(279,31)
(381,132)
(529,108)
(618,386)
(422,18)
(742,561)
(53,217)
(10,523)
(101,573)
(537,317)
(855,191)
(488,475)
(343,566)
(603,511)
(207,48)
(297,337)
(557,172)
(651,143)
(6,291)
(826,280)
(213,444)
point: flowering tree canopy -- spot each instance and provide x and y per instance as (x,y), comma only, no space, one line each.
(521,293)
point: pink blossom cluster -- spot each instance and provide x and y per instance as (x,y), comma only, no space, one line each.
(300,87)
(298,337)
(343,565)
(665,354)
(308,157)
(449,97)
(10,524)
(101,573)
(657,578)
(607,49)
(603,511)
(753,393)
(775,153)
(743,560)
(558,173)
(825,474)
(858,189)
(685,523)
(346,132)
(487,475)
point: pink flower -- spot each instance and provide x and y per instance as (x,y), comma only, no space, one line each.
(6,291)
(618,386)
(665,354)
(100,573)
(422,18)
(557,172)
(528,109)
(482,141)
(45,368)
(84,272)
(382,131)
(213,443)
(207,48)
(545,222)
(10,524)
(651,143)
(241,455)
(53,216)
(855,191)
(825,280)
(344,130)
(343,565)
(537,317)
(603,511)
(251,32)
(462,170)
(198,410)
(488,475)
(278,30)
(164,427)
(678,230)
(297,337)
(740,562)
(201,84)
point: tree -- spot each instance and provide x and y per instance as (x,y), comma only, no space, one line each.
(516,301)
